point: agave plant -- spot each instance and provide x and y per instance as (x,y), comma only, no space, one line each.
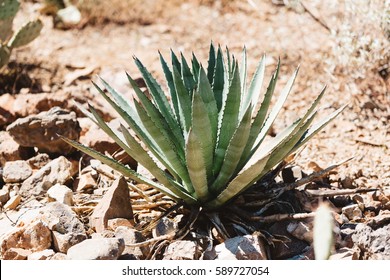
(207,145)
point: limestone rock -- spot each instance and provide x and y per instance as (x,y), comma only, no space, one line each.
(61,194)
(10,150)
(16,171)
(372,244)
(67,228)
(38,161)
(58,171)
(35,237)
(41,255)
(86,182)
(182,250)
(114,204)
(97,249)
(344,254)
(132,236)
(43,130)
(247,247)
(59,257)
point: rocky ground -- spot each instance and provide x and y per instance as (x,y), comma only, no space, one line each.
(59,204)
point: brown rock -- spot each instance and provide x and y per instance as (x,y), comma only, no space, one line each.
(98,140)
(16,171)
(43,130)
(13,202)
(30,104)
(16,254)
(35,237)
(182,250)
(10,150)
(6,115)
(4,196)
(41,255)
(97,249)
(119,222)
(58,171)
(114,204)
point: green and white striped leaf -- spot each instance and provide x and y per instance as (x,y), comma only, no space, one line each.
(196,167)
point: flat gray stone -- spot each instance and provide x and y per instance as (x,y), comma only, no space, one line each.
(97,249)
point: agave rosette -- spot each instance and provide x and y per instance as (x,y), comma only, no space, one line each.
(210,138)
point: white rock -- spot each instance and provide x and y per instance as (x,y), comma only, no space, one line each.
(97,249)
(61,194)
(41,255)
(246,247)
(16,171)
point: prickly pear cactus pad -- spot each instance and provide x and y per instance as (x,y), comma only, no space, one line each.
(8,9)
(26,34)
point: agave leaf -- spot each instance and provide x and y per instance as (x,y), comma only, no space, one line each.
(211,64)
(254,91)
(171,86)
(187,76)
(107,129)
(206,92)
(184,101)
(250,174)
(156,92)
(219,79)
(229,119)
(171,130)
(131,117)
(285,149)
(238,184)
(258,121)
(195,67)
(244,69)
(141,156)
(196,166)
(202,130)
(128,172)
(175,62)
(233,152)
(277,107)
(171,159)
(314,129)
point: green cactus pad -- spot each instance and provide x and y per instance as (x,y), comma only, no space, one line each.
(5,29)
(8,8)
(26,34)
(5,54)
